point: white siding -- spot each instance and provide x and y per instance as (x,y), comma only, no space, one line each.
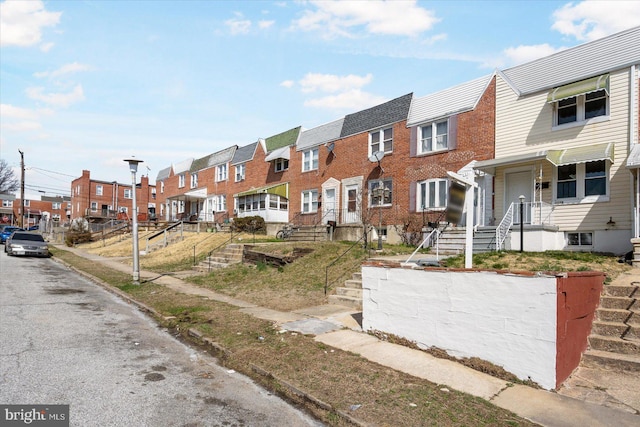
(524,125)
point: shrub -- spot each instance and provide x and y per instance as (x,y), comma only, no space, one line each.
(250,224)
(74,237)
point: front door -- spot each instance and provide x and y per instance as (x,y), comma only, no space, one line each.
(518,184)
(329,205)
(352,204)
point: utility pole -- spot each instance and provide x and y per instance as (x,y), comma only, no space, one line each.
(21,188)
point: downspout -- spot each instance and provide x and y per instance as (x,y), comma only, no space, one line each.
(633,124)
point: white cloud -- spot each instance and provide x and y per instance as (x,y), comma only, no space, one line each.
(65,69)
(287,83)
(56,99)
(22,22)
(11,111)
(343,18)
(590,20)
(238,25)
(350,100)
(263,25)
(331,83)
(521,54)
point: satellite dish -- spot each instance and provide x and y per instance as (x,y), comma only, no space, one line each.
(330,147)
(376,157)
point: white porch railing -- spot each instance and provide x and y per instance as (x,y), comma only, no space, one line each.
(434,233)
(533,213)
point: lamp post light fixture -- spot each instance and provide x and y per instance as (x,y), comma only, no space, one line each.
(380,192)
(521,222)
(133,167)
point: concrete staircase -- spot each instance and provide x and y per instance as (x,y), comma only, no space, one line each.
(230,254)
(349,295)
(452,240)
(615,335)
(309,233)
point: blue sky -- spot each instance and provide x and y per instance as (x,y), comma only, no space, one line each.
(86,84)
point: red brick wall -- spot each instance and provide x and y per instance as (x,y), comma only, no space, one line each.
(578,298)
(84,192)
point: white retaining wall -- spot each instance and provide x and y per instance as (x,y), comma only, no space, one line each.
(505,319)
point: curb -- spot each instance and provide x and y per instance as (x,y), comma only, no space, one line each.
(218,349)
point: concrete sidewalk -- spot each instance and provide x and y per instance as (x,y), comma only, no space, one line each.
(615,400)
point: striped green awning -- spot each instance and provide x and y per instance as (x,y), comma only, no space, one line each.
(579,88)
(278,189)
(588,153)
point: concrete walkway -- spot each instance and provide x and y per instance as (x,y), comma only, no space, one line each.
(615,400)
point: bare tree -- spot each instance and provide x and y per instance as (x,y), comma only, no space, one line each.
(8,181)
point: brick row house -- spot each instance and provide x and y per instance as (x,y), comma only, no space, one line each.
(99,200)
(52,210)
(560,131)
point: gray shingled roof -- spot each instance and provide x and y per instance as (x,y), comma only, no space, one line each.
(182,166)
(457,99)
(244,154)
(217,158)
(597,57)
(320,135)
(388,113)
(163,174)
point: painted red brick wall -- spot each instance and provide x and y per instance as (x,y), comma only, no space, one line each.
(578,298)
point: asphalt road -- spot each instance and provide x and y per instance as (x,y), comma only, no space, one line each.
(65,340)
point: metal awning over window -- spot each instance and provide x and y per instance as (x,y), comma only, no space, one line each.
(633,161)
(588,153)
(280,153)
(278,189)
(582,87)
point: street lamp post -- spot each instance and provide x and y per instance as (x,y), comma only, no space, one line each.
(133,167)
(521,223)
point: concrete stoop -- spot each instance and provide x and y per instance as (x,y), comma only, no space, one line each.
(615,335)
(308,233)
(229,255)
(350,294)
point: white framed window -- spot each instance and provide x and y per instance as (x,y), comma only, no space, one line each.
(380,197)
(94,206)
(278,202)
(161,187)
(180,206)
(433,137)
(582,182)
(181,180)
(153,193)
(221,172)
(221,203)
(127,193)
(7,203)
(194,180)
(432,194)
(580,109)
(98,190)
(580,239)
(381,140)
(27,203)
(240,170)
(56,205)
(280,165)
(309,201)
(310,160)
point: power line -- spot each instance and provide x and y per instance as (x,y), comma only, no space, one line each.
(45,170)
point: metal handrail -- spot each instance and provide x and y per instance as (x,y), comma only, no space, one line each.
(504,226)
(332,263)
(163,232)
(206,238)
(226,242)
(426,239)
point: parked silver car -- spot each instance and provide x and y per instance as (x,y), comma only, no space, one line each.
(26,243)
